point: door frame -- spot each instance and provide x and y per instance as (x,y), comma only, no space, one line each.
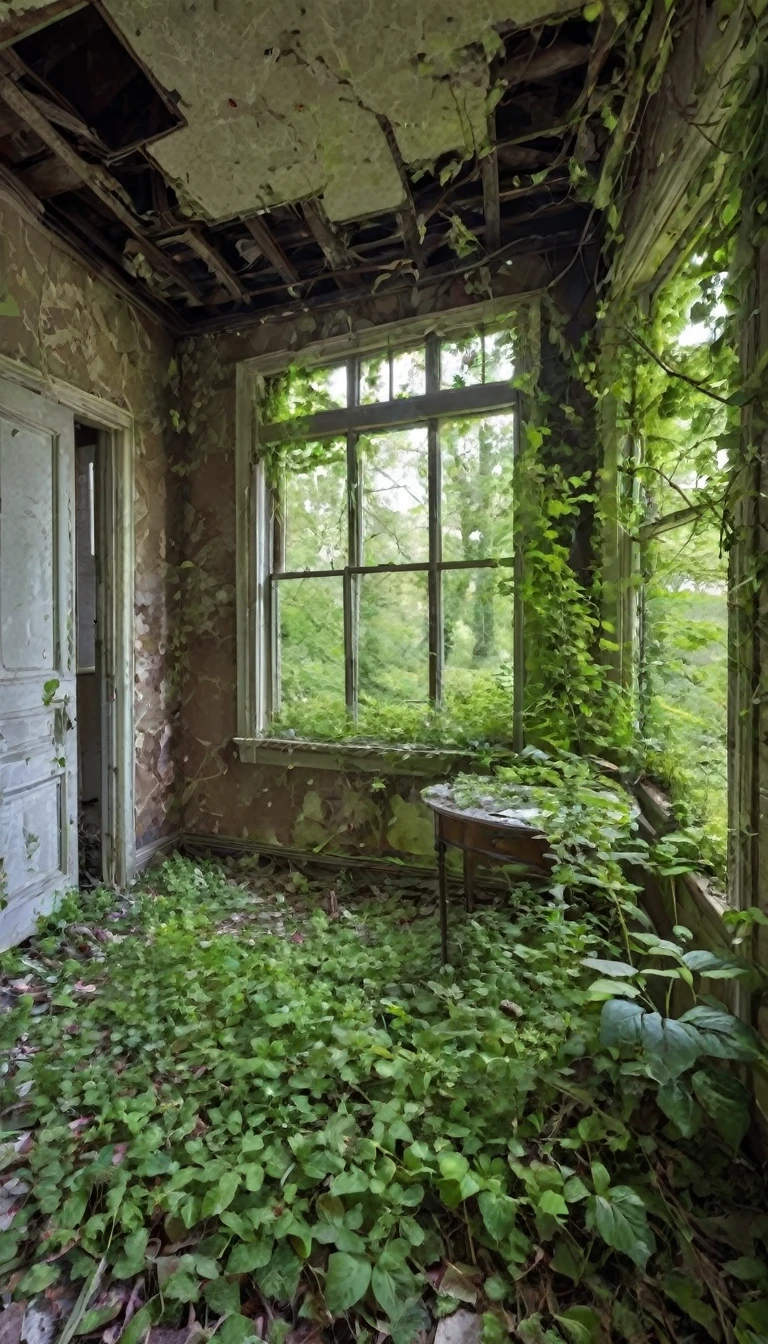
(116,548)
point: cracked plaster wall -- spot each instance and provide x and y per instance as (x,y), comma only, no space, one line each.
(68,324)
(222,796)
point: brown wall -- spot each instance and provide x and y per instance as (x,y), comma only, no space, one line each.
(65,323)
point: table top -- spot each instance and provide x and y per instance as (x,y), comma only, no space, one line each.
(527,819)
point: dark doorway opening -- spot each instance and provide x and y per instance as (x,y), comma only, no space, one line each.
(89,672)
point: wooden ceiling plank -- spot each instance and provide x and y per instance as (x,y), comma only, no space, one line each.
(50,177)
(22,25)
(407,213)
(489,165)
(101,183)
(271,249)
(216,264)
(543,62)
(332,245)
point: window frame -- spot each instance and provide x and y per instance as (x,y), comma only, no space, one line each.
(256,529)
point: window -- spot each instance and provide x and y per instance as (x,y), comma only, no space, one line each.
(685,476)
(385,555)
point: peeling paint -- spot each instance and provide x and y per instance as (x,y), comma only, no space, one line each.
(72,326)
(281,99)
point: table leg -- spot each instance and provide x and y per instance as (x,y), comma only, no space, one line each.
(470,863)
(441,887)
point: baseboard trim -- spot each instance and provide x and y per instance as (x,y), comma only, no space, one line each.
(164,846)
(196,846)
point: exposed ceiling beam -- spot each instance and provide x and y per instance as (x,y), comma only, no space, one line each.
(271,249)
(21,25)
(49,177)
(543,62)
(491,203)
(407,215)
(216,264)
(101,183)
(332,245)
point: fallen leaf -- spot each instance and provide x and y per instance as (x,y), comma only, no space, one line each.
(461,1327)
(11,1323)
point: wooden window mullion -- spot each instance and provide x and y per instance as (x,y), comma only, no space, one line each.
(435,580)
(354,553)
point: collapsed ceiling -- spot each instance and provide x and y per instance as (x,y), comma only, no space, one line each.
(227,155)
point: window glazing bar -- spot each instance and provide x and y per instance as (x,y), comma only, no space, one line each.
(448,403)
(434,582)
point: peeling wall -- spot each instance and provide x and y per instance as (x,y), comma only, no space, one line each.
(222,796)
(65,323)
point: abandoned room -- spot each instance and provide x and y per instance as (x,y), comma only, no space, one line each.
(383,666)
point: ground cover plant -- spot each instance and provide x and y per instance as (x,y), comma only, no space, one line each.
(251,1102)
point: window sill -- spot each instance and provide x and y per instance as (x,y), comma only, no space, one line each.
(656,807)
(377,758)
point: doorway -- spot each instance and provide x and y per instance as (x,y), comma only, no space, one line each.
(89,675)
(66,645)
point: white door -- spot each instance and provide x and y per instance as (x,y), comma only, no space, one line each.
(38,739)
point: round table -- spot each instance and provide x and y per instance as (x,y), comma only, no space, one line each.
(509,836)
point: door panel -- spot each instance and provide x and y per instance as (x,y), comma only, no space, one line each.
(38,741)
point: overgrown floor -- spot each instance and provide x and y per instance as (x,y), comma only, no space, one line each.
(246,1100)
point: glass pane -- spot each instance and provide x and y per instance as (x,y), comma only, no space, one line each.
(374,380)
(311,623)
(393,646)
(686,660)
(409,373)
(499,356)
(477,652)
(477,469)
(461,362)
(300,392)
(395,497)
(315,506)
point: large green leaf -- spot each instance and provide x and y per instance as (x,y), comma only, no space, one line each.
(220,1196)
(669,1045)
(346,1281)
(499,1214)
(392,1281)
(678,1104)
(715,967)
(619,1217)
(280,1278)
(722,1035)
(725,1100)
(687,1294)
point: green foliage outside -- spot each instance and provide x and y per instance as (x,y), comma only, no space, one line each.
(258,1096)
(685,469)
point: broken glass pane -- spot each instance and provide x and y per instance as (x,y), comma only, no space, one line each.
(393,645)
(315,506)
(311,625)
(477,475)
(395,497)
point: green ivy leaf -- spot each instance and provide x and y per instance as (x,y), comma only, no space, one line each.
(499,1213)
(37,1278)
(346,1281)
(220,1196)
(619,1217)
(392,1282)
(130,1261)
(280,1278)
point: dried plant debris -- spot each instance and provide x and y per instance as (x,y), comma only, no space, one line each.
(249,1101)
